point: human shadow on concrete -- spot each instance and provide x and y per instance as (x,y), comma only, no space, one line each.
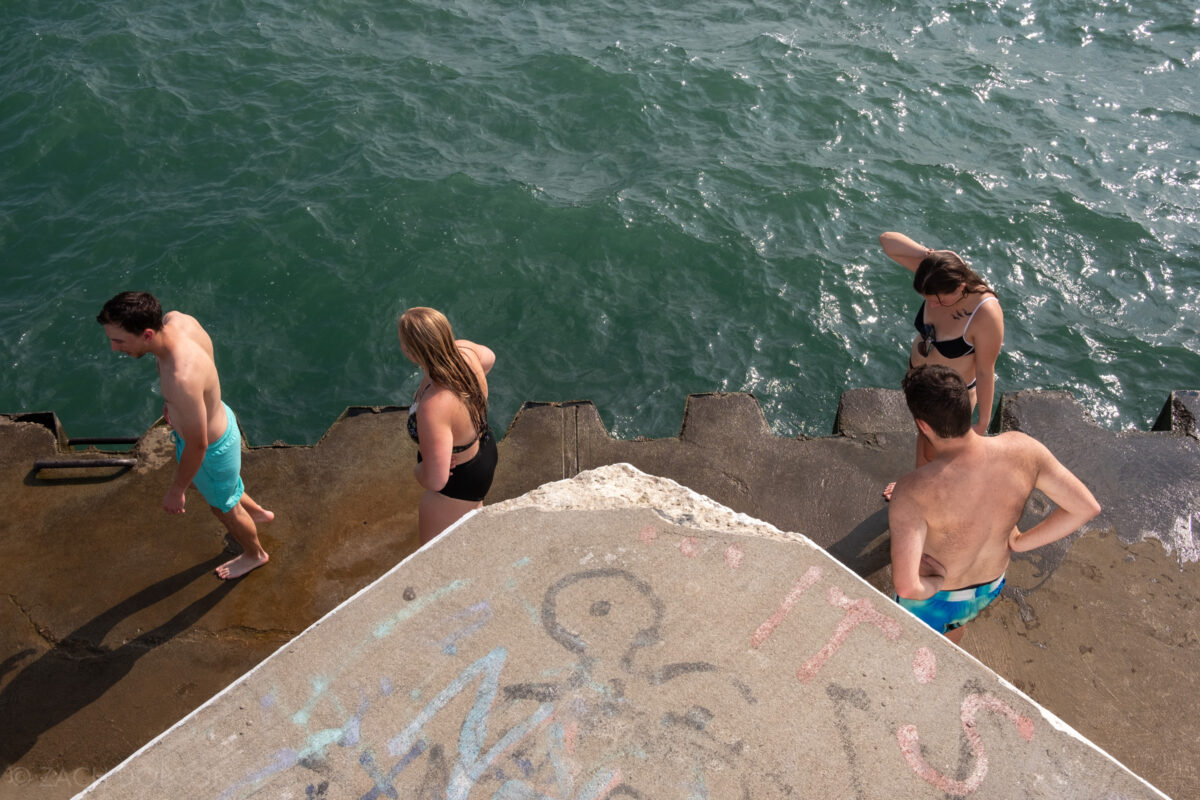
(866,549)
(79,669)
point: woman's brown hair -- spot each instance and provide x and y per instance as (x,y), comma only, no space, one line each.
(942,271)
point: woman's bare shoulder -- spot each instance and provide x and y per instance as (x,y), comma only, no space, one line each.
(483,356)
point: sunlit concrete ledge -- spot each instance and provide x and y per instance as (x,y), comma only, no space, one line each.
(618,635)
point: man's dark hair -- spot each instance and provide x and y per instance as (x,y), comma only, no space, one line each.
(133,312)
(937,396)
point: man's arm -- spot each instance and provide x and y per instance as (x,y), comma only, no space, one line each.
(189,418)
(1075,502)
(908,530)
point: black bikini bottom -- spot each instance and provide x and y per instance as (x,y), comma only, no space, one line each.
(471,480)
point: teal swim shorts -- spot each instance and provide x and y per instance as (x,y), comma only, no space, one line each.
(946,611)
(220,477)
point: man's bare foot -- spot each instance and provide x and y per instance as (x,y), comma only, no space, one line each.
(262,516)
(887,491)
(239,566)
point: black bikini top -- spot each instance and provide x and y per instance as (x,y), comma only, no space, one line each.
(950,348)
(412,431)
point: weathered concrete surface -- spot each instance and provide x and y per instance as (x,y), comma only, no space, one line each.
(1100,628)
(111,629)
(112,626)
(619,653)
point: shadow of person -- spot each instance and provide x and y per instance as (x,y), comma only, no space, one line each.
(867,549)
(79,669)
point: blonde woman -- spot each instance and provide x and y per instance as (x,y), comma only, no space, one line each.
(959,325)
(456,456)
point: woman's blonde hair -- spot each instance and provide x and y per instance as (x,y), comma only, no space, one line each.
(429,340)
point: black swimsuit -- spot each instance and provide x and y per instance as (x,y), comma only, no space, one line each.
(950,348)
(471,479)
(412,432)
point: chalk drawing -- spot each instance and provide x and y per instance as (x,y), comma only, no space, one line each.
(408,612)
(472,619)
(857,612)
(857,698)
(471,762)
(765,630)
(972,704)
(573,641)
(605,700)
(648,534)
(924,665)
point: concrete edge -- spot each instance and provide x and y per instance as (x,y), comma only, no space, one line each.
(262,664)
(745,525)
(736,523)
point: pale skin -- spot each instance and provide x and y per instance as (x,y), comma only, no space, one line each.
(949,313)
(192,405)
(954,520)
(444,422)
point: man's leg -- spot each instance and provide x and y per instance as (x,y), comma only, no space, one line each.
(241,527)
(257,513)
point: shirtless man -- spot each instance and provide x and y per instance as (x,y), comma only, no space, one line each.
(208,444)
(953,520)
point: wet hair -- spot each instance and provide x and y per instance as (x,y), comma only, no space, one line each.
(942,271)
(938,396)
(133,312)
(428,338)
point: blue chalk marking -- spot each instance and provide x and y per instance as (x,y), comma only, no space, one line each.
(282,760)
(483,615)
(383,785)
(346,736)
(412,609)
(562,771)
(535,614)
(320,685)
(471,763)
(522,562)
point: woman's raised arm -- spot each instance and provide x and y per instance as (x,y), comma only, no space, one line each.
(903,250)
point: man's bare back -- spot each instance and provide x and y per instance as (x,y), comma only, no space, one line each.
(954,520)
(969,504)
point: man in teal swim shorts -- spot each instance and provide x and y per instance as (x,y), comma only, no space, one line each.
(208,444)
(954,520)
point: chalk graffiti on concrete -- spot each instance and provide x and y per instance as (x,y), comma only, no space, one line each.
(584,726)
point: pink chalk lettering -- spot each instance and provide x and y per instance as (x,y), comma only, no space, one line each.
(857,612)
(910,745)
(924,665)
(734,556)
(690,547)
(800,587)
(648,534)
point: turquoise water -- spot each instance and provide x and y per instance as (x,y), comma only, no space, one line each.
(628,201)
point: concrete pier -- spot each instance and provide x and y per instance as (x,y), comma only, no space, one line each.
(113,628)
(616,635)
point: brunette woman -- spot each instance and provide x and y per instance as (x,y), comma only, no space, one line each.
(959,325)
